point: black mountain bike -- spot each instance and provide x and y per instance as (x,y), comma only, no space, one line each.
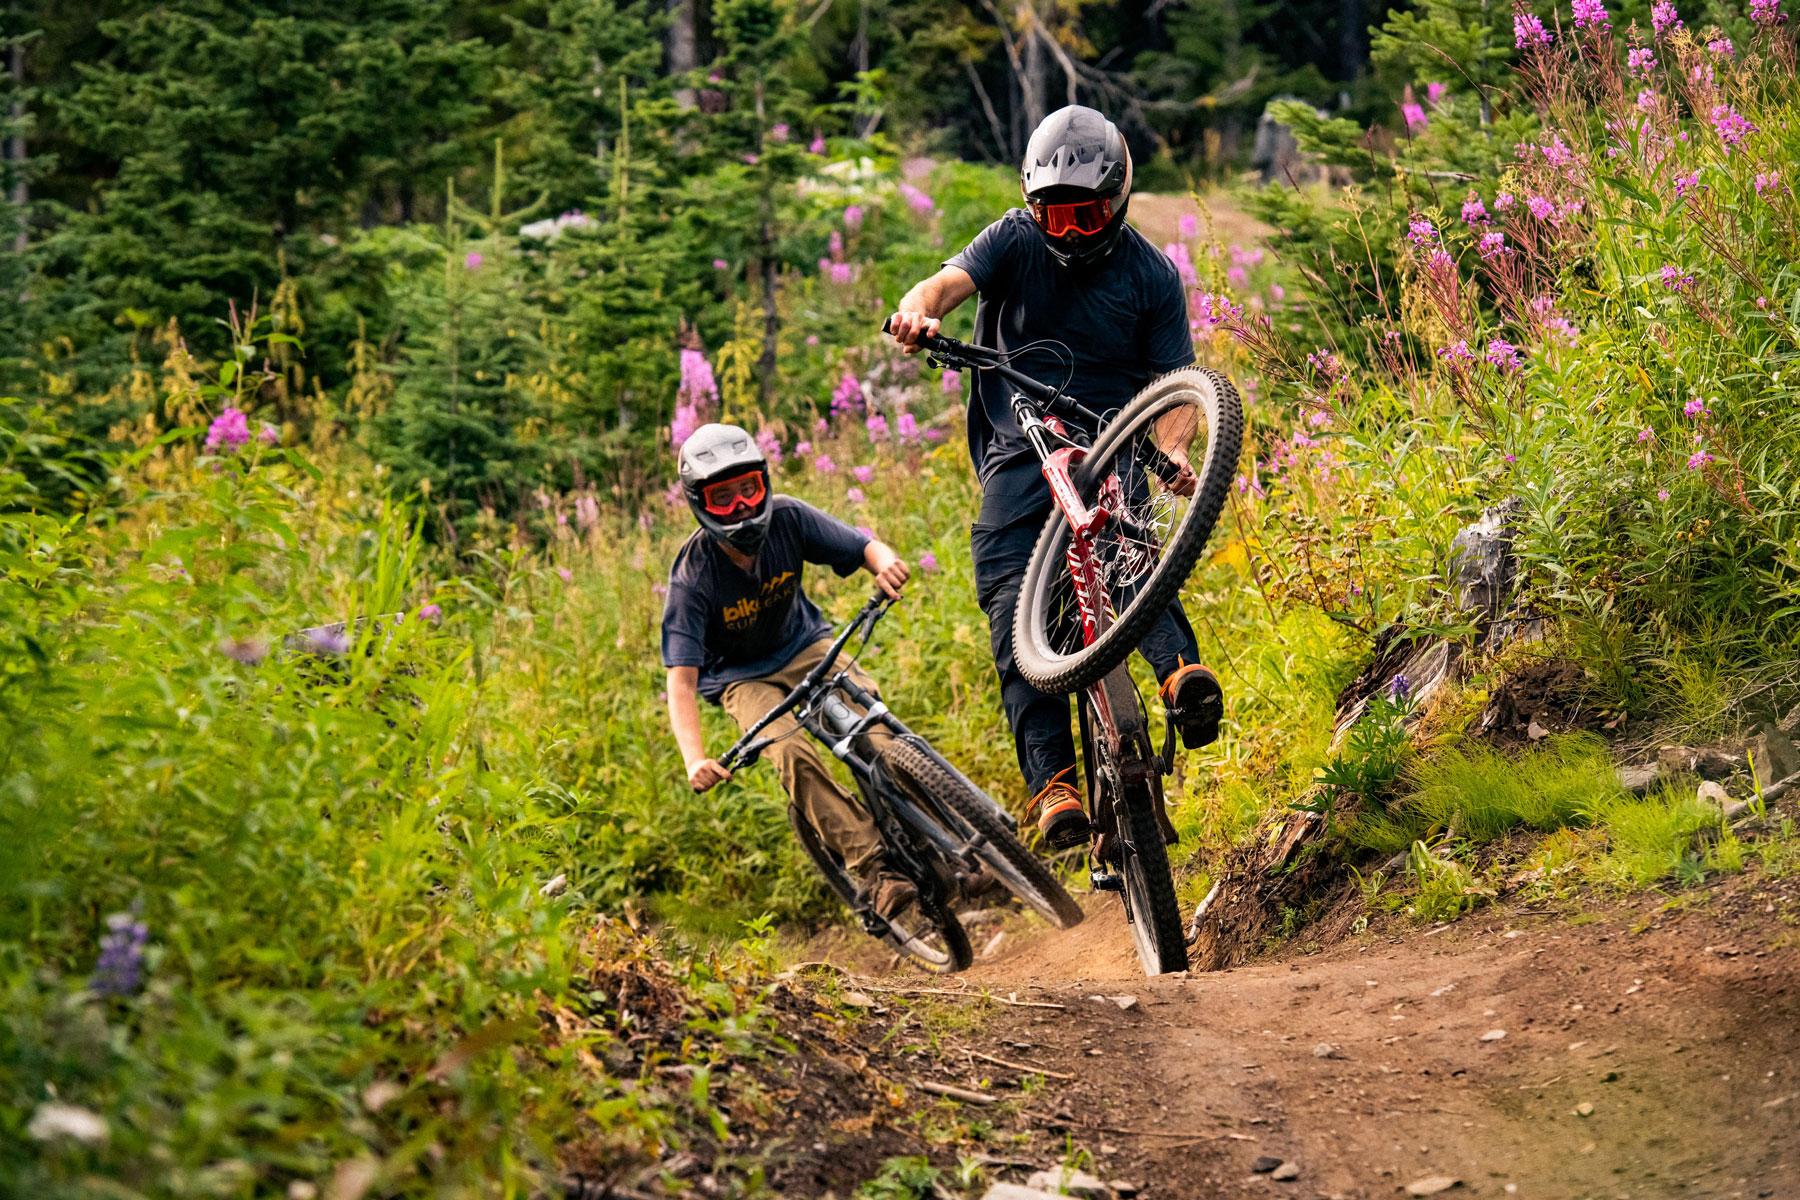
(938,828)
(1136,494)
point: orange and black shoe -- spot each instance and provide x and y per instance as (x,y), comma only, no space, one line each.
(1193,699)
(1059,814)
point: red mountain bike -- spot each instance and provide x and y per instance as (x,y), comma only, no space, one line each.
(1134,505)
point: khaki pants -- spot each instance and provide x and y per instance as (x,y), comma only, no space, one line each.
(839,817)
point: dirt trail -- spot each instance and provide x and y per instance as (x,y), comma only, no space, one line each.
(1374,1065)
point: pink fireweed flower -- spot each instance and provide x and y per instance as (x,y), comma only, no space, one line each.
(950,382)
(779,132)
(1277,293)
(687,419)
(934,435)
(1529,31)
(472,261)
(835,243)
(1686,183)
(269,435)
(587,512)
(673,495)
(1503,355)
(1674,280)
(1721,46)
(720,264)
(853,217)
(1420,231)
(697,383)
(1504,201)
(1762,302)
(1696,409)
(770,445)
(1414,116)
(1540,208)
(430,612)
(1664,20)
(840,273)
(1662,494)
(750,160)
(1557,153)
(1188,227)
(1590,14)
(565,574)
(906,427)
(1767,181)
(848,397)
(1492,245)
(229,430)
(1326,363)
(916,200)
(1210,309)
(1474,212)
(1434,92)
(1646,101)
(1767,12)
(802,448)
(1236,276)
(928,563)
(1184,264)
(1641,60)
(817,145)
(1246,258)
(823,465)
(855,495)
(1698,460)
(1730,125)
(877,425)
(1645,434)
(862,474)
(1563,329)
(1318,418)
(1458,354)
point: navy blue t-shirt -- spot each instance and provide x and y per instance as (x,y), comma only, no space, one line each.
(1125,320)
(735,624)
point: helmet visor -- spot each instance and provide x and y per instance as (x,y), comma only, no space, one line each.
(737,495)
(1084,217)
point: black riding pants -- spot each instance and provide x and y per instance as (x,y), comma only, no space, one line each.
(1013,512)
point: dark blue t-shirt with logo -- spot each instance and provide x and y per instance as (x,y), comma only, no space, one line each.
(1124,320)
(735,624)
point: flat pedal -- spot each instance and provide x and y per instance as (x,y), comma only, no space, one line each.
(1106,881)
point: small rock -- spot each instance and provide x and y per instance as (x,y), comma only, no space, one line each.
(1012,1191)
(1772,755)
(1264,1164)
(379,1094)
(54,1119)
(1125,1189)
(1493,1035)
(1536,732)
(1125,1003)
(1286,1172)
(1708,762)
(555,886)
(300,1189)
(1327,1050)
(1431,1185)
(1712,794)
(1069,1183)
(1584,1109)
(857,1000)
(988,950)
(1639,779)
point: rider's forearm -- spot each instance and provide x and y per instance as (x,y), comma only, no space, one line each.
(878,556)
(928,296)
(684,713)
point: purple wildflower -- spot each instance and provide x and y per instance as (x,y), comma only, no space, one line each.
(1767,181)
(1557,153)
(1674,280)
(1188,227)
(1767,12)
(1589,14)
(916,200)
(472,261)
(1492,244)
(1662,494)
(120,969)
(951,381)
(1664,20)
(720,264)
(1698,460)
(928,563)
(1645,434)
(853,217)
(587,512)
(564,574)
(863,473)
(270,436)
(906,427)
(1458,354)
(750,160)
(1474,212)
(1399,689)
(1210,309)
(1540,208)
(1504,356)
(1730,125)
(1420,231)
(430,612)
(802,448)
(1184,264)
(855,495)
(1721,46)
(877,425)
(687,420)
(1696,409)
(1641,60)
(1504,201)
(1414,116)
(779,132)
(817,145)
(770,445)
(229,430)
(1434,92)
(823,465)
(849,395)
(1529,31)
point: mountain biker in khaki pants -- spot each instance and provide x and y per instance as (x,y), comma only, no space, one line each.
(1065,269)
(738,630)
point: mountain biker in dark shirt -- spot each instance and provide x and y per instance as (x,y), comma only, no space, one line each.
(739,630)
(1066,268)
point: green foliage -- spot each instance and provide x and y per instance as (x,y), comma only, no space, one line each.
(912,1178)
(1375,751)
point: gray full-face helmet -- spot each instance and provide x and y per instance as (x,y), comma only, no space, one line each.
(722,454)
(1077,184)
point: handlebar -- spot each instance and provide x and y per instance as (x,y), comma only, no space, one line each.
(981,358)
(745,750)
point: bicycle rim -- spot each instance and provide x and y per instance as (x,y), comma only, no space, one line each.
(1163,469)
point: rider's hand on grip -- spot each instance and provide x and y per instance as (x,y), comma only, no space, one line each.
(908,327)
(891,578)
(706,773)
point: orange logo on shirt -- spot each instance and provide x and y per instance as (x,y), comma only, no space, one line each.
(743,613)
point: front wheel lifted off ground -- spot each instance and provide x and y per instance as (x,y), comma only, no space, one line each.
(972,814)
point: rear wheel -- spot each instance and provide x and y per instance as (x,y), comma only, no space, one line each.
(927,933)
(1162,468)
(971,815)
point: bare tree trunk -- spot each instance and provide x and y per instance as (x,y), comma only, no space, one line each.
(767,267)
(1036,77)
(1352,51)
(19,194)
(681,45)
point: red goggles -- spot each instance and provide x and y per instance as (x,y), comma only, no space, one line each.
(722,497)
(1085,217)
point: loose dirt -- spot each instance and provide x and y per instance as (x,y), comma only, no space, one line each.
(1641,1051)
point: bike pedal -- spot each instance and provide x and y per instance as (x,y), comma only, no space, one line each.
(1106,881)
